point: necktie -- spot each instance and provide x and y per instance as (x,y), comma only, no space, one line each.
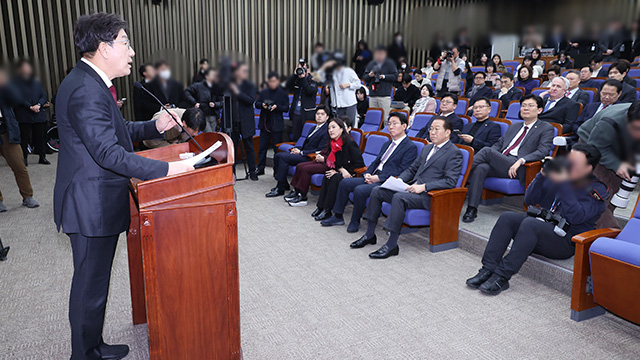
(548,105)
(388,153)
(112,89)
(435,150)
(567,93)
(518,141)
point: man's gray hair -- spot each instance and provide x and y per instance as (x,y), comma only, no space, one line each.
(564,79)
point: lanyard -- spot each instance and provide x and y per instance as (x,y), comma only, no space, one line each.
(555,204)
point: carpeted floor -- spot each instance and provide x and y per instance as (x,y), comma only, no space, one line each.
(305,295)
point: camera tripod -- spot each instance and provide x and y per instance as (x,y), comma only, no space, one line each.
(3,251)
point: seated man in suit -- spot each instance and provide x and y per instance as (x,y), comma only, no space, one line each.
(574,92)
(447,109)
(394,157)
(586,80)
(481,133)
(407,93)
(523,142)
(557,107)
(478,90)
(618,71)
(609,94)
(507,93)
(437,167)
(316,140)
(598,69)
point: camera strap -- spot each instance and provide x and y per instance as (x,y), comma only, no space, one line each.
(555,204)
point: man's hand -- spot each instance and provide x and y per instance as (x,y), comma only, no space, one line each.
(609,52)
(273,107)
(504,90)
(345,173)
(264,106)
(466,138)
(372,74)
(544,93)
(197,106)
(294,151)
(35,108)
(330,173)
(513,170)
(417,189)
(177,167)
(119,103)
(165,122)
(212,105)
(624,170)
(344,85)
(371,179)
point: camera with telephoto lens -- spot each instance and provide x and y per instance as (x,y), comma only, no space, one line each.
(268,102)
(561,224)
(621,198)
(449,54)
(301,69)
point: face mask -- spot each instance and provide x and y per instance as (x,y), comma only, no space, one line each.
(165,74)
(399,39)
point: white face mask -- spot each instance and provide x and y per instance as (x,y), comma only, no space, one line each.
(165,74)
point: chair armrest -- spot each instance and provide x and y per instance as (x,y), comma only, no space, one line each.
(588,237)
(361,170)
(312,156)
(445,209)
(287,142)
(445,192)
(503,113)
(531,170)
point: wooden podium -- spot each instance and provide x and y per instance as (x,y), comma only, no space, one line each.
(183,257)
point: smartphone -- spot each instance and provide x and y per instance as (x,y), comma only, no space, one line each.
(123,99)
(457,132)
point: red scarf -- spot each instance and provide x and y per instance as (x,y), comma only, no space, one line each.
(336,145)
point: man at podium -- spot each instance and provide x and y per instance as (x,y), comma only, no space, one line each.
(96,160)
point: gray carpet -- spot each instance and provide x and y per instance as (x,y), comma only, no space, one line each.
(305,295)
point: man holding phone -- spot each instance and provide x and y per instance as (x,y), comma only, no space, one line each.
(448,105)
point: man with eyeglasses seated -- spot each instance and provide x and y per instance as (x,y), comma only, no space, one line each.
(609,95)
(448,105)
(478,90)
(437,167)
(482,132)
(507,93)
(523,142)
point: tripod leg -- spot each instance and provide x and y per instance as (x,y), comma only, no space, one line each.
(3,251)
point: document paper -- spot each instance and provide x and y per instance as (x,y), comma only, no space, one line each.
(395,184)
(200,157)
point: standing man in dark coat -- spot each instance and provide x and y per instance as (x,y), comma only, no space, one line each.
(303,106)
(96,161)
(144,106)
(30,111)
(165,88)
(206,95)
(243,96)
(272,102)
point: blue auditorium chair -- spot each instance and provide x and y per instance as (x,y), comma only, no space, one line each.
(461,107)
(592,93)
(372,120)
(496,105)
(446,205)
(419,121)
(634,73)
(306,129)
(513,111)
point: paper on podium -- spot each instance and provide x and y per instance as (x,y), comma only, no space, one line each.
(200,157)
(395,184)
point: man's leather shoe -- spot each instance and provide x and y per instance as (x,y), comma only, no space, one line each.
(260,172)
(324,214)
(113,352)
(384,252)
(470,214)
(253,176)
(333,221)
(363,241)
(290,196)
(44,161)
(495,285)
(316,212)
(353,227)
(482,276)
(274,192)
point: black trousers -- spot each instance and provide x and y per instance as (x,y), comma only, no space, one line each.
(488,162)
(92,260)
(248,149)
(36,135)
(529,235)
(329,191)
(400,202)
(281,163)
(267,139)
(361,192)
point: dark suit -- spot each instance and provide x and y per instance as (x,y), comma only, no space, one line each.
(409,95)
(201,93)
(589,84)
(271,123)
(170,93)
(283,159)
(487,134)
(491,162)
(565,112)
(628,94)
(581,96)
(586,114)
(33,126)
(144,106)
(244,125)
(349,158)
(511,95)
(303,90)
(91,194)
(482,92)
(399,160)
(440,172)
(455,120)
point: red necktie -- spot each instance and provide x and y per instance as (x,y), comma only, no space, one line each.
(518,141)
(112,89)
(567,93)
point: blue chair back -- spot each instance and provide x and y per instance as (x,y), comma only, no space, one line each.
(372,147)
(606,66)
(434,76)
(256,112)
(512,63)
(290,99)
(634,73)
(419,146)
(592,94)
(372,120)
(437,105)
(599,81)
(513,112)
(419,121)
(465,120)
(433,84)
(318,100)
(538,91)
(496,105)
(637,94)
(465,165)
(356,136)
(637,83)
(320,90)
(461,107)
(306,129)
(463,86)
(503,127)
(476,69)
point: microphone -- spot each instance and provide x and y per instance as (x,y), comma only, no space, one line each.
(139,86)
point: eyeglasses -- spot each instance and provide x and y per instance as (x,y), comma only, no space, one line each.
(126,43)
(446,102)
(480,106)
(528,106)
(432,129)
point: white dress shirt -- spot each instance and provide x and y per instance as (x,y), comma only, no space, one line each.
(514,151)
(102,74)
(397,143)
(572,93)
(433,150)
(500,94)
(342,98)
(551,105)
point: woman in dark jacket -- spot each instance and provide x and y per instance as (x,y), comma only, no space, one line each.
(362,105)
(362,57)
(525,79)
(343,158)
(31,112)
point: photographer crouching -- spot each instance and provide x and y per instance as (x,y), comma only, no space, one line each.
(570,199)
(303,106)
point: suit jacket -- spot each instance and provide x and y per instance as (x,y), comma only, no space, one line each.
(272,120)
(144,106)
(603,72)
(409,95)
(349,158)
(590,83)
(628,94)
(400,159)
(586,114)
(243,113)
(96,159)
(455,119)
(536,145)
(172,94)
(486,135)
(202,94)
(8,99)
(615,111)
(565,112)
(581,96)
(316,142)
(440,172)
(511,95)
(483,92)
(30,93)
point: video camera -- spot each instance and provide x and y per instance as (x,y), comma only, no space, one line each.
(561,224)
(301,70)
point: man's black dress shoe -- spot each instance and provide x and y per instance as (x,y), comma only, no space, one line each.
(482,276)
(495,285)
(274,192)
(316,212)
(260,172)
(324,214)
(253,176)
(470,214)
(290,196)
(44,161)
(384,252)
(363,241)
(113,352)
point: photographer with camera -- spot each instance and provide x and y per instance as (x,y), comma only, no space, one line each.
(570,200)
(379,76)
(343,83)
(207,95)
(449,66)
(272,102)
(304,90)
